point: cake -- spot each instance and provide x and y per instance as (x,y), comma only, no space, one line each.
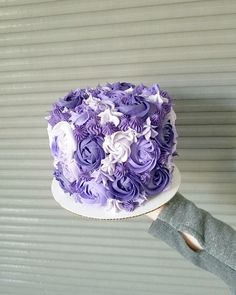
(113,145)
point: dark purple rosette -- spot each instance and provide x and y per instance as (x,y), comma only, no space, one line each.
(139,108)
(116,96)
(166,106)
(138,90)
(91,192)
(144,155)
(120,86)
(73,98)
(125,189)
(165,155)
(127,99)
(166,136)
(89,153)
(160,178)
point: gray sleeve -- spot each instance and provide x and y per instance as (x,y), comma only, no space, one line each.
(217,239)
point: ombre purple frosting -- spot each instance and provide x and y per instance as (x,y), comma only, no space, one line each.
(113,144)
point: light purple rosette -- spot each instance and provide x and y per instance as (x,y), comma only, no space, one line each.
(89,153)
(113,144)
(144,155)
(91,192)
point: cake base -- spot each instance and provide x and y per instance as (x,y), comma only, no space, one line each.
(93,211)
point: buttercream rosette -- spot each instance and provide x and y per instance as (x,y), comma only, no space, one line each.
(113,145)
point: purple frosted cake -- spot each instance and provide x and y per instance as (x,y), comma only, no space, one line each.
(113,145)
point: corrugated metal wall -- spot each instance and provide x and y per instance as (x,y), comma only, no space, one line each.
(50,47)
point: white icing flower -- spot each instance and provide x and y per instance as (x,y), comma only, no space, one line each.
(110,115)
(105,88)
(63,145)
(98,104)
(70,170)
(157,98)
(113,206)
(148,130)
(142,198)
(108,166)
(105,103)
(118,145)
(172,117)
(62,141)
(101,175)
(93,102)
(129,90)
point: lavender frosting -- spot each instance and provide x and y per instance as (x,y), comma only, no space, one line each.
(113,144)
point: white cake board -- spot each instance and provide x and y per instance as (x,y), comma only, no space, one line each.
(94,211)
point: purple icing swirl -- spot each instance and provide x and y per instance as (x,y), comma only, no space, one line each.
(140,108)
(109,128)
(165,136)
(120,171)
(160,178)
(89,153)
(124,123)
(93,126)
(73,98)
(91,192)
(80,132)
(136,123)
(144,155)
(125,189)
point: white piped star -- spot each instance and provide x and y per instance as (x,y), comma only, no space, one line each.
(110,115)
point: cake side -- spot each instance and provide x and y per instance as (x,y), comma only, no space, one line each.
(113,145)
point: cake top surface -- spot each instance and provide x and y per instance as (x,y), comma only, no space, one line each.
(113,145)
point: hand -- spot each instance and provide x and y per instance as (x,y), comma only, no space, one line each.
(154,214)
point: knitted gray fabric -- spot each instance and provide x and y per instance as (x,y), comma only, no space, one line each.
(217,239)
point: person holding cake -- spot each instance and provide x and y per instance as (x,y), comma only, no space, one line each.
(113,149)
(199,237)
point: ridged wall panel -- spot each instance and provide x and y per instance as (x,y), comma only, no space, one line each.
(48,48)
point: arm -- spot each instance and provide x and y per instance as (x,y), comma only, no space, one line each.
(198,236)
(189,239)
